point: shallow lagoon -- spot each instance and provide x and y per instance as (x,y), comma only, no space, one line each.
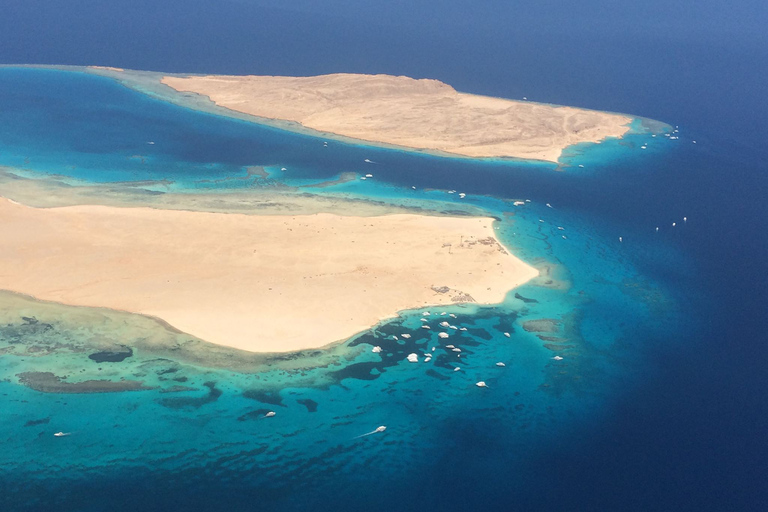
(202,422)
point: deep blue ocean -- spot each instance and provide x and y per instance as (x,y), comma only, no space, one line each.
(660,401)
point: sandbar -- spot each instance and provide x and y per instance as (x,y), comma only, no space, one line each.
(412,113)
(257,283)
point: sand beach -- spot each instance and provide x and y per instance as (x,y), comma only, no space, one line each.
(258,283)
(417,114)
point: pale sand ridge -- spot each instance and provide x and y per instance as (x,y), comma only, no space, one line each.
(258,283)
(419,114)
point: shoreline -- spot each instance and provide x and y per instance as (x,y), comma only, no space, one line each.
(149,83)
(243,293)
(40,190)
(419,114)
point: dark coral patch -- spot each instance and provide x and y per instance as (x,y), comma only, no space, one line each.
(525,299)
(253,415)
(435,375)
(195,401)
(47,382)
(311,405)
(112,356)
(265,397)
(32,423)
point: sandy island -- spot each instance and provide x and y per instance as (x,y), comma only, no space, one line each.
(418,114)
(258,283)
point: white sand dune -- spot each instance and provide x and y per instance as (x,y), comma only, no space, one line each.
(258,283)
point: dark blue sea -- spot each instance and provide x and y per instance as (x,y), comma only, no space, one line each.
(659,401)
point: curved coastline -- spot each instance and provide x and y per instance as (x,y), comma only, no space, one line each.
(152,84)
(415,113)
(152,78)
(138,200)
(212,275)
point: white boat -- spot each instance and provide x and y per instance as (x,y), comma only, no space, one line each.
(378,430)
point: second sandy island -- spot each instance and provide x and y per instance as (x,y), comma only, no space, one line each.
(419,114)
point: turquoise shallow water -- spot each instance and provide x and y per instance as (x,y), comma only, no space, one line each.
(200,435)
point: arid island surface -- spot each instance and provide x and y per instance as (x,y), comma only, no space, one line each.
(418,114)
(257,283)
